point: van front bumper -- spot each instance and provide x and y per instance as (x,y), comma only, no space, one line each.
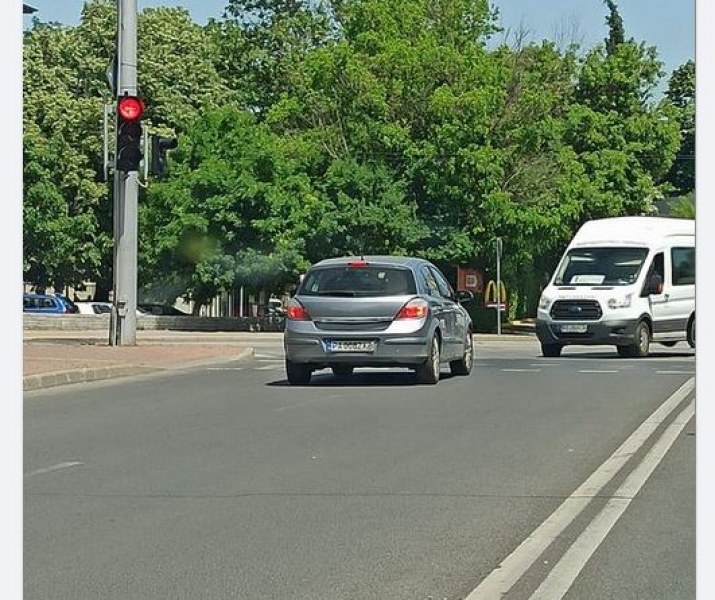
(619,332)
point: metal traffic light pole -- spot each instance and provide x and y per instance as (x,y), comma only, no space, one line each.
(126,191)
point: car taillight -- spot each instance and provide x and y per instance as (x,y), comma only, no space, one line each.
(414,309)
(297,312)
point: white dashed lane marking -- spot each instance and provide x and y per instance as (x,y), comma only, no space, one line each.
(57,467)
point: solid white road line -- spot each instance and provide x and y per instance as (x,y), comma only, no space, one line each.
(224,368)
(521,370)
(675,373)
(597,371)
(564,573)
(63,465)
(502,578)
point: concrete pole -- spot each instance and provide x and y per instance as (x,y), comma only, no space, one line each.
(126,189)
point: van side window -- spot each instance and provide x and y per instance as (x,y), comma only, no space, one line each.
(683,260)
(657,269)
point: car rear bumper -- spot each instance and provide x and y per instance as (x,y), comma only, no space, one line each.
(391,350)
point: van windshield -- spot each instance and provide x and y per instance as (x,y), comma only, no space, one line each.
(600,266)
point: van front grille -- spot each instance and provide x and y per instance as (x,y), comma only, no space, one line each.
(576,310)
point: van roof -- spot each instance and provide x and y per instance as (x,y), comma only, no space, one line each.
(632,230)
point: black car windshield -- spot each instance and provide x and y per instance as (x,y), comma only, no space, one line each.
(363,281)
(601,266)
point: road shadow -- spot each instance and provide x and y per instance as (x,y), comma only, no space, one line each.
(362,379)
(613,355)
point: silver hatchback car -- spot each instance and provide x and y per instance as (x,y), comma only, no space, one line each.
(377,311)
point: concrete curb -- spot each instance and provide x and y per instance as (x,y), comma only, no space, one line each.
(46,380)
(87,375)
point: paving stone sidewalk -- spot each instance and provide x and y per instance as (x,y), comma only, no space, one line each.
(51,364)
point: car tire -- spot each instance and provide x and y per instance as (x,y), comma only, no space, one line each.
(551,350)
(342,370)
(691,332)
(641,344)
(428,371)
(297,373)
(463,366)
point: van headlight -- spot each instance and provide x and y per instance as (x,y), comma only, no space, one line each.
(544,302)
(622,302)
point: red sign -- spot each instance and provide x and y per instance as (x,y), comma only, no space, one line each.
(470,280)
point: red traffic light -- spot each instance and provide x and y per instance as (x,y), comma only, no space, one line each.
(130,108)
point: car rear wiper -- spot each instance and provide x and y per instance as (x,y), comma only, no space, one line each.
(345,293)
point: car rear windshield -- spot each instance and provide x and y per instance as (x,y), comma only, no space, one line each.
(364,281)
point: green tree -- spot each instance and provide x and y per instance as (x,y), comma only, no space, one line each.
(64,89)
(681,92)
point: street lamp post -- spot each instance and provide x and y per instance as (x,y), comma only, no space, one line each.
(499,299)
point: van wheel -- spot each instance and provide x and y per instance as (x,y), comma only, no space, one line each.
(551,350)
(463,366)
(428,371)
(641,341)
(297,373)
(691,332)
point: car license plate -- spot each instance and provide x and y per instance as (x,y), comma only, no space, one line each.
(350,345)
(574,328)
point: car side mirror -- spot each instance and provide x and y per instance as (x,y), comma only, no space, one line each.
(463,297)
(655,285)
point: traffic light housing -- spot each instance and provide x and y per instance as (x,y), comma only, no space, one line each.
(159,166)
(129,133)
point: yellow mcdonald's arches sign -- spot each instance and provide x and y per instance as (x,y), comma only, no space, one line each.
(490,295)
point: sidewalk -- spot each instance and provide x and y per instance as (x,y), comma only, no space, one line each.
(49,362)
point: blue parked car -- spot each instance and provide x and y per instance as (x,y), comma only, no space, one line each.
(56,304)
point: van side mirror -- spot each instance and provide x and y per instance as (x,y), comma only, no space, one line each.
(463,297)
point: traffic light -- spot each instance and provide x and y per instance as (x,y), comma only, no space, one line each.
(159,145)
(129,133)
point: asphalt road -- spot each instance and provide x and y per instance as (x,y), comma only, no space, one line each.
(224,482)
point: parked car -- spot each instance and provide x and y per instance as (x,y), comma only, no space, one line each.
(50,304)
(161,310)
(94,308)
(377,311)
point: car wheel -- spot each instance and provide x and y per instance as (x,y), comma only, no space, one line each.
(342,371)
(428,371)
(551,350)
(691,332)
(641,341)
(463,366)
(297,373)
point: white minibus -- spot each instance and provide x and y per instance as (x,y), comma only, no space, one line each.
(623,281)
